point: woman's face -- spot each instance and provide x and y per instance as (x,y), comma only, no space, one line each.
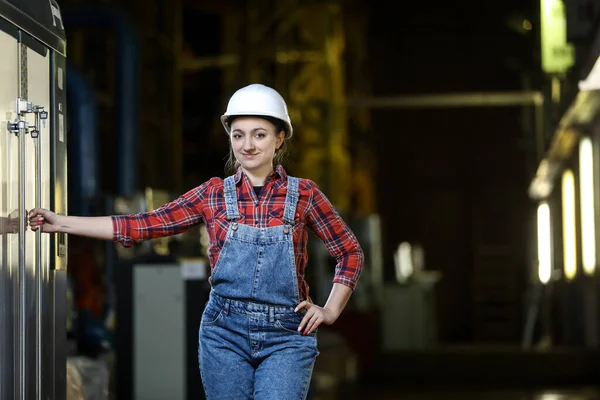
(254,142)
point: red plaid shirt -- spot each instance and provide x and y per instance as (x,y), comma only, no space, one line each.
(206,203)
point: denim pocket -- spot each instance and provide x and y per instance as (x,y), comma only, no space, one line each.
(290,324)
(211,315)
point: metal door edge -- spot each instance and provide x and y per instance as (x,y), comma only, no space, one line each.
(33,28)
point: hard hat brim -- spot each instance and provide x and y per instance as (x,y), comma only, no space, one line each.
(289,131)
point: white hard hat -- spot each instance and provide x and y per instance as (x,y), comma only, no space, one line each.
(258,100)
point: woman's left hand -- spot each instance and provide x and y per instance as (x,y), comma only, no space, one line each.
(314,317)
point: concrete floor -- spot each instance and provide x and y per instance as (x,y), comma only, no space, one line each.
(480,372)
(476,394)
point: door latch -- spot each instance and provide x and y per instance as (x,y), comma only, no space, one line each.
(20,127)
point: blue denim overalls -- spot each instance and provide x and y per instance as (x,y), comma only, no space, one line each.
(249,344)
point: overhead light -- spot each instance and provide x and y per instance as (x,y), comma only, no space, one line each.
(569,229)
(544,243)
(586,197)
(557,54)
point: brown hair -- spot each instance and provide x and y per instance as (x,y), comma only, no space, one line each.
(231,165)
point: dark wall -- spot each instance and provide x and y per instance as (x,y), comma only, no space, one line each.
(454,179)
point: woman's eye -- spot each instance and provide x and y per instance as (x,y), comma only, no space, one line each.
(260,135)
(237,136)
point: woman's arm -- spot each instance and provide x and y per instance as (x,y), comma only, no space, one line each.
(172,218)
(49,222)
(341,243)
(338,298)
(94,227)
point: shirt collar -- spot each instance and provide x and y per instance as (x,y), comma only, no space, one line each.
(279,171)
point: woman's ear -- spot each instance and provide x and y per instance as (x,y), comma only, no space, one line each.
(280,138)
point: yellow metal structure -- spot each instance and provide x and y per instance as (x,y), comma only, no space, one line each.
(298,47)
(158,24)
(160,27)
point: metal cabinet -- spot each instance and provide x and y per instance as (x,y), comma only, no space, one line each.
(32,174)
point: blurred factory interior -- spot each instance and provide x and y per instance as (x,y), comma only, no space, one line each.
(461,141)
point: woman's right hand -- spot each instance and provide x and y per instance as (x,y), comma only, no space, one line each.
(45,220)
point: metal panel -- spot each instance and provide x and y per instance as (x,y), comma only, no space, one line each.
(39,309)
(9,245)
(58,243)
(408,321)
(32,298)
(21,326)
(40,28)
(159,314)
(58,162)
(58,280)
(45,13)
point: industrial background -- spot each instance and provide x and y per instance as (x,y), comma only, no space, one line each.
(460,140)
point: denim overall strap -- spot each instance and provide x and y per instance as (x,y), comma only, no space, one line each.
(291,200)
(250,313)
(231,199)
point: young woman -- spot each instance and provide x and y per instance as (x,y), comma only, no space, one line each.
(258,329)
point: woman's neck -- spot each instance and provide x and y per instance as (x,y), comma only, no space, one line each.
(258,176)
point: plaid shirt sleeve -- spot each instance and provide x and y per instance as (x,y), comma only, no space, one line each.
(173,218)
(338,238)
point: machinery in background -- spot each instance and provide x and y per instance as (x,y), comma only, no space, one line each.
(33,173)
(161,300)
(105,326)
(162,287)
(118,320)
(91,262)
(411,323)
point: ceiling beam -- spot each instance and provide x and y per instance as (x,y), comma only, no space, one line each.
(214,7)
(473,99)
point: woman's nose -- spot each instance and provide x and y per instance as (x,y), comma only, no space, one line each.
(248,144)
